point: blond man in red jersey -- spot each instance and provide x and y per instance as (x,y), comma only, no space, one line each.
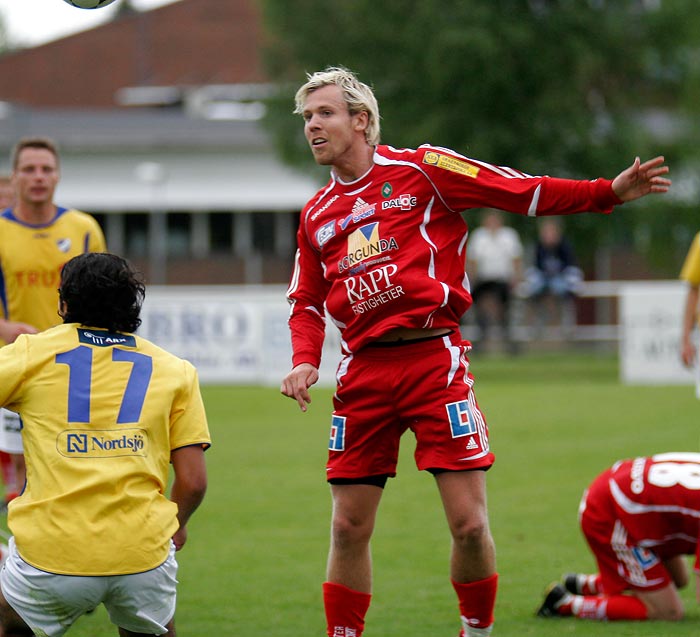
(381,249)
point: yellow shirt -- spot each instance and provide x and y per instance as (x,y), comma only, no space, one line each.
(691,266)
(101,414)
(31,258)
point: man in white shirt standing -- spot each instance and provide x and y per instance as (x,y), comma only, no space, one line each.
(494,265)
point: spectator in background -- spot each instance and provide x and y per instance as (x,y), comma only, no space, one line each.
(691,274)
(36,238)
(494,265)
(555,278)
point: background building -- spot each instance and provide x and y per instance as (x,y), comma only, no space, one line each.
(158,118)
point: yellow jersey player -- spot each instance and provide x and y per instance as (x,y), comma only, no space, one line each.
(691,313)
(36,238)
(7,200)
(105,413)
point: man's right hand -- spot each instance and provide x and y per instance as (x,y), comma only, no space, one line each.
(296,384)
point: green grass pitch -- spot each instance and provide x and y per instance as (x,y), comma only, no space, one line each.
(255,559)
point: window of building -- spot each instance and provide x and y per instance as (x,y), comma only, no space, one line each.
(178,241)
(264,232)
(136,234)
(221,232)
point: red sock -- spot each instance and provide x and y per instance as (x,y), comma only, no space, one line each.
(345,610)
(477,600)
(611,607)
(591,585)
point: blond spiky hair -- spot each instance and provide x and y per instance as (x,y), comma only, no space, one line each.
(358,96)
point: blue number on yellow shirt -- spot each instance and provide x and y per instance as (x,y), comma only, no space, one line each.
(135,392)
(79,361)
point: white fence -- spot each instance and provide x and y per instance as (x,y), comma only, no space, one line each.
(650,320)
(239,334)
(232,334)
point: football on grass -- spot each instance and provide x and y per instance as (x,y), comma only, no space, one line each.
(88,4)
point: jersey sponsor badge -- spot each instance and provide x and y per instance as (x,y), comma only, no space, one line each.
(365,243)
(63,244)
(325,207)
(337,441)
(107,443)
(360,210)
(403,202)
(324,233)
(645,558)
(461,419)
(451,163)
(103,338)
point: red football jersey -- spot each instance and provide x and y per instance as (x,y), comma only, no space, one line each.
(388,250)
(657,499)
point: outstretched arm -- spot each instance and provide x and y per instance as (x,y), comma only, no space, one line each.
(641,179)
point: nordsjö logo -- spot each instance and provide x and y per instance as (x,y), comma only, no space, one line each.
(102,443)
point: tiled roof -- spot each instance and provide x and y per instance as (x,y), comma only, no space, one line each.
(186,43)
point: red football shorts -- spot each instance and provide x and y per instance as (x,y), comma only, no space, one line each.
(622,563)
(424,386)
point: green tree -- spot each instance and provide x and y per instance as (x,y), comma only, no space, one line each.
(4,44)
(561,87)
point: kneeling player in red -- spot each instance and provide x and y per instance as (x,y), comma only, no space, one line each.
(641,518)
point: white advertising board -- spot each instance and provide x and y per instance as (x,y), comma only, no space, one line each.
(239,334)
(650,328)
(232,334)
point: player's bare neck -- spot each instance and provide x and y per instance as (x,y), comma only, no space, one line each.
(35,214)
(356,166)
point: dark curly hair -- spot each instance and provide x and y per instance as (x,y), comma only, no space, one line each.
(102,290)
